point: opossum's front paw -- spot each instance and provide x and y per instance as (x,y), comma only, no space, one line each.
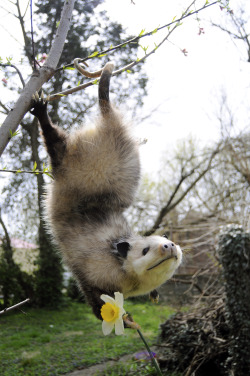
(129,322)
(154,296)
(38,105)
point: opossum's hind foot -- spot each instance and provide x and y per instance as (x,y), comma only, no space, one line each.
(38,105)
(154,296)
(54,137)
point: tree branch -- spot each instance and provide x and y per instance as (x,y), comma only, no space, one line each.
(6,234)
(14,306)
(18,71)
(123,69)
(168,207)
(47,71)
(135,39)
(38,78)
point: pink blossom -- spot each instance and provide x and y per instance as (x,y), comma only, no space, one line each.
(184,51)
(201,31)
(4,81)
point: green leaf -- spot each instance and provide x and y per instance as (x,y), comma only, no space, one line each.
(95,82)
(9,59)
(94,54)
(34,166)
(156,46)
(142,32)
(154,31)
(57,24)
(69,68)
(144,48)
(128,71)
(47,173)
(13,134)
(78,83)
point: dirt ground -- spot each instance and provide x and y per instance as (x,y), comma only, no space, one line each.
(91,371)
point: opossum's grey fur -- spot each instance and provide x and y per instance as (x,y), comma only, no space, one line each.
(96,173)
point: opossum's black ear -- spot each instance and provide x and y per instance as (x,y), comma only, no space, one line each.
(123,249)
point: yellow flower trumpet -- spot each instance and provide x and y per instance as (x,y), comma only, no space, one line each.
(112,312)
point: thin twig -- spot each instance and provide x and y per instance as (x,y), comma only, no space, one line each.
(26,172)
(18,71)
(14,306)
(32,35)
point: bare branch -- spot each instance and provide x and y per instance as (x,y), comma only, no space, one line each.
(17,70)
(14,306)
(238,24)
(171,204)
(36,172)
(6,234)
(6,10)
(5,108)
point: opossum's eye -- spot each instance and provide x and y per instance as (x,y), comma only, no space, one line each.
(145,251)
(123,248)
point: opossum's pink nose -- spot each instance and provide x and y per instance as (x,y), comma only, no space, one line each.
(168,249)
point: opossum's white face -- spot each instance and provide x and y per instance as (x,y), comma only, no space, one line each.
(153,259)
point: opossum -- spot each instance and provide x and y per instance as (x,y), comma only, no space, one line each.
(96,173)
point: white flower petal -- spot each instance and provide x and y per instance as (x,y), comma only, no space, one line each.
(122,312)
(119,299)
(119,327)
(107,299)
(107,327)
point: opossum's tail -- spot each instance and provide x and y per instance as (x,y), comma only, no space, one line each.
(104,88)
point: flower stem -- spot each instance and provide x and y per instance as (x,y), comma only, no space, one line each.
(155,364)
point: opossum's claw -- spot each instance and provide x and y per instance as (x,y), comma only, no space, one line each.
(154,296)
(38,104)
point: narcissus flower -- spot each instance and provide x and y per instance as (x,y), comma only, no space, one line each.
(112,312)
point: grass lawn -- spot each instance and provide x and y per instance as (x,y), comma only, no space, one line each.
(45,342)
